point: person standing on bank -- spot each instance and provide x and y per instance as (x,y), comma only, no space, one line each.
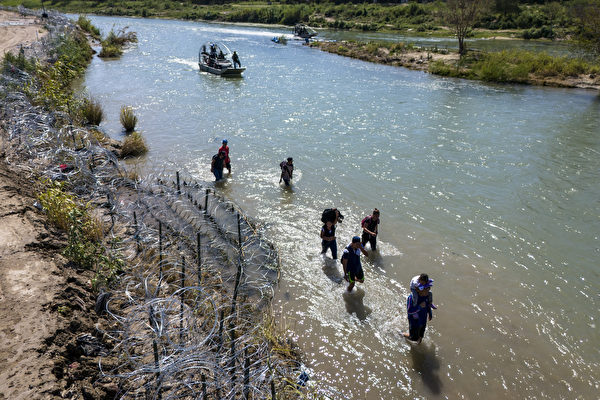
(351,262)
(328,239)
(224,148)
(369,225)
(216,166)
(287,170)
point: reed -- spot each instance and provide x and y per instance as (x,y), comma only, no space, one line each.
(128,119)
(92,111)
(134,145)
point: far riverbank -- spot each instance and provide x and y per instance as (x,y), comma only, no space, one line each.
(502,67)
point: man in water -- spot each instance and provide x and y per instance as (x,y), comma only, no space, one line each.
(418,310)
(236,60)
(225,149)
(216,166)
(369,225)
(351,262)
(287,170)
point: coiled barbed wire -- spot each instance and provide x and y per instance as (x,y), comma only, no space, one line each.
(186,315)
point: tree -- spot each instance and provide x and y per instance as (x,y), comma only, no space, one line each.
(461,15)
(588,13)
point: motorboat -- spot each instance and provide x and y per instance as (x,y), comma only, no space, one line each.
(216,58)
(304,31)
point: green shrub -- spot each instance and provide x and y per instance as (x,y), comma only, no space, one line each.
(85,24)
(133,145)
(128,119)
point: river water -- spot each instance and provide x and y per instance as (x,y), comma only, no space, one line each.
(492,190)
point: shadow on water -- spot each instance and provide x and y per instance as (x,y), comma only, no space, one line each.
(426,363)
(376,259)
(331,269)
(354,304)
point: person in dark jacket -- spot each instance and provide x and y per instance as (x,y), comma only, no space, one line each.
(353,271)
(216,166)
(369,226)
(236,60)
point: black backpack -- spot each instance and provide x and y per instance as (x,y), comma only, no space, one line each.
(328,215)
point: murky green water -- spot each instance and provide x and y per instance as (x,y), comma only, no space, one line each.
(492,190)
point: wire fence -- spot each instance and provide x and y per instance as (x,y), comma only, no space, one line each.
(189,313)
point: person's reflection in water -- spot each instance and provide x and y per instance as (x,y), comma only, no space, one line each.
(354,304)
(426,363)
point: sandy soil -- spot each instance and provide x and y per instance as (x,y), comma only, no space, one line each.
(17,30)
(45,304)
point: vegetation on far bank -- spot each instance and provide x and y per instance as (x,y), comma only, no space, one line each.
(519,18)
(518,66)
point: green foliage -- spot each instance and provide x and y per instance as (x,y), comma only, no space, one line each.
(85,234)
(85,24)
(517,65)
(12,64)
(134,145)
(128,119)
(51,86)
(112,45)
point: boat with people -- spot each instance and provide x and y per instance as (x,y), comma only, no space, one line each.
(304,31)
(217,59)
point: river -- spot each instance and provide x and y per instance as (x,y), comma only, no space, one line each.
(491,189)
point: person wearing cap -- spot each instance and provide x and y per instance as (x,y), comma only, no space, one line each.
(216,166)
(351,262)
(419,310)
(287,170)
(225,149)
(369,226)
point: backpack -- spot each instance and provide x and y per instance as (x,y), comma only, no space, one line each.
(328,215)
(283,164)
(365,219)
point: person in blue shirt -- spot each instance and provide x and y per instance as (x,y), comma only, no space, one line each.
(351,262)
(419,310)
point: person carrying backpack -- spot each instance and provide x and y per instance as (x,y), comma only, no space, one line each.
(287,170)
(216,165)
(225,149)
(369,226)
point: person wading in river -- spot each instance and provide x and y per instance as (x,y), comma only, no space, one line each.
(353,271)
(369,225)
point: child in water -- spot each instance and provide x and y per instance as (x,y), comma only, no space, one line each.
(421,280)
(418,310)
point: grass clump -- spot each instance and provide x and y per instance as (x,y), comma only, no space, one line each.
(85,24)
(113,44)
(134,145)
(92,111)
(128,119)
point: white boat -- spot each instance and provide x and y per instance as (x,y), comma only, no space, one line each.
(304,31)
(216,58)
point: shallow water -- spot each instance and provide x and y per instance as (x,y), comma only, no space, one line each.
(493,190)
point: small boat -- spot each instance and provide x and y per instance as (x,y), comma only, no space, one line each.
(304,31)
(216,58)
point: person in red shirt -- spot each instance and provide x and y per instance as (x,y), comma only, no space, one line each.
(224,148)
